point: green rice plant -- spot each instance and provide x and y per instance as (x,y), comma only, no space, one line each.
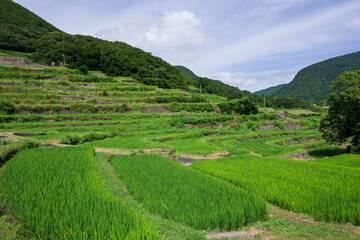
(347,160)
(190,107)
(56,193)
(176,192)
(327,151)
(327,192)
(75,139)
(9,149)
(90,79)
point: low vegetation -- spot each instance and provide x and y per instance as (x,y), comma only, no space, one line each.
(57,194)
(330,193)
(178,193)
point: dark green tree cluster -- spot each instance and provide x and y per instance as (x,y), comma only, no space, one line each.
(287,102)
(239,106)
(19,27)
(112,58)
(219,88)
(343,119)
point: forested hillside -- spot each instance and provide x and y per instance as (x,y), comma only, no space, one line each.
(185,71)
(112,58)
(271,90)
(312,83)
(19,27)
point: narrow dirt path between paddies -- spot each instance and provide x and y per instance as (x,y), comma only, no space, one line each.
(184,159)
(235,234)
(9,136)
(188,159)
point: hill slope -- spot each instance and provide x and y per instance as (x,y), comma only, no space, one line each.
(185,71)
(270,91)
(19,27)
(312,83)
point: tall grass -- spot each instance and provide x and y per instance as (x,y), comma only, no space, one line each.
(330,193)
(347,160)
(57,194)
(176,192)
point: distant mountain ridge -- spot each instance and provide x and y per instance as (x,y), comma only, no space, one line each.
(270,91)
(312,83)
(19,27)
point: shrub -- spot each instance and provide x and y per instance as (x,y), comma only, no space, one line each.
(74,139)
(239,106)
(7,107)
(12,148)
(327,151)
(253,125)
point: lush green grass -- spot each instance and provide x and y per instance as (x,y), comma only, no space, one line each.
(327,151)
(167,228)
(176,192)
(330,193)
(57,194)
(348,160)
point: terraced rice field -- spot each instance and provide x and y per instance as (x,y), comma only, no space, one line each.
(61,107)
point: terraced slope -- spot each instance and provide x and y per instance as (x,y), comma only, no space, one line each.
(62,107)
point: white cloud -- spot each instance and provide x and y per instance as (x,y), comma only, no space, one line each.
(172,33)
(301,34)
(255,81)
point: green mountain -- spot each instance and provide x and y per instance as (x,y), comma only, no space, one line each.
(112,58)
(22,30)
(185,71)
(19,27)
(312,83)
(270,91)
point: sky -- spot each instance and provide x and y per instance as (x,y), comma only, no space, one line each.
(248,44)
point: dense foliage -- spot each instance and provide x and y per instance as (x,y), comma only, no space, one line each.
(312,83)
(217,87)
(343,119)
(176,192)
(185,71)
(239,106)
(57,194)
(330,193)
(19,27)
(112,58)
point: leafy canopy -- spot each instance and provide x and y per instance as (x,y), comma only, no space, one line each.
(343,120)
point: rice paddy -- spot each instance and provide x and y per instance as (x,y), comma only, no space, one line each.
(58,192)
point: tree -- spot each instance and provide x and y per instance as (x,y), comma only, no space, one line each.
(343,119)
(239,106)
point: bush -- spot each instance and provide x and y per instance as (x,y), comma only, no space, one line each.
(13,148)
(7,107)
(74,139)
(239,106)
(253,125)
(279,124)
(326,151)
